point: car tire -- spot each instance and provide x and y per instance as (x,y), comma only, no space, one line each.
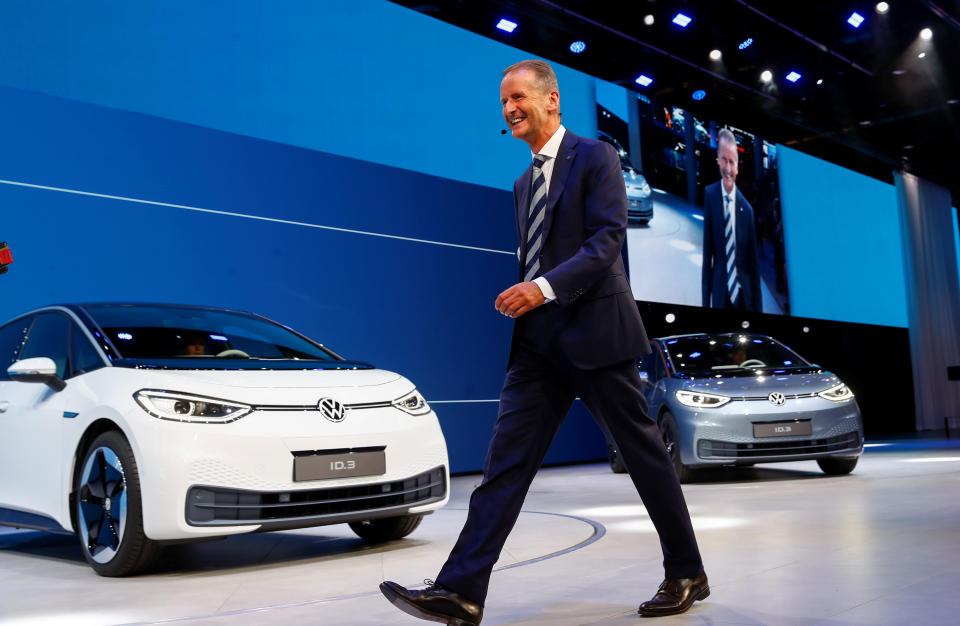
(835,466)
(386,528)
(668,430)
(109,514)
(616,461)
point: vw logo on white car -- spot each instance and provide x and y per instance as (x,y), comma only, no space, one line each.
(776,398)
(331,409)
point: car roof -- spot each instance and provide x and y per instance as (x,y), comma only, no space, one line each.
(75,306)
(706,335)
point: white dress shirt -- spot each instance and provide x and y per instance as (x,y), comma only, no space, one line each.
(549,149)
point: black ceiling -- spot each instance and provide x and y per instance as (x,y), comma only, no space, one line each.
(879,107)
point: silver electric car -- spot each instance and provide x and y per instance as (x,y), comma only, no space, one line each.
(740,399)
(639,194)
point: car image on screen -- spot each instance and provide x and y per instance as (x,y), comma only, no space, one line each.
(639,194)
(136,425)
(741,399)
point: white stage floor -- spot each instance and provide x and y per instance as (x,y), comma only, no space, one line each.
(782,544)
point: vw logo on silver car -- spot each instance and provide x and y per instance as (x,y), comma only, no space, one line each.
(776,398)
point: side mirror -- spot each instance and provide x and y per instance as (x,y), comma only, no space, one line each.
(37,370)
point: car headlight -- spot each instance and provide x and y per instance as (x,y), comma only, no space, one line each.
(701,400)
(183,407)
(837,393)
(412,403)
(645,189)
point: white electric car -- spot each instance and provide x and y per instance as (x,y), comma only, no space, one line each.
(133,425)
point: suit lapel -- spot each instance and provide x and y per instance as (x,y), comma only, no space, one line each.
(566,155)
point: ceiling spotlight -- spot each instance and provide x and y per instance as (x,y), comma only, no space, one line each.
(766,76)
(855,19)
(921,55)
(577,47)
(681,20)
(648,20)
(643,80)
(671,318)
(926,34)
(746,43)
(819,81)
(698,95)
(715,55)
(506,25)
(793,76)
(882,7)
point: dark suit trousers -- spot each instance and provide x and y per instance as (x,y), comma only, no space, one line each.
(536,396)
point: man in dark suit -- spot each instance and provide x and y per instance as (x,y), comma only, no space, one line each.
(730,276)
(577,332)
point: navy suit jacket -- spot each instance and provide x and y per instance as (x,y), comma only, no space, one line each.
(714,278)
(594,321)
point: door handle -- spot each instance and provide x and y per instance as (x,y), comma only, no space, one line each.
(3,406)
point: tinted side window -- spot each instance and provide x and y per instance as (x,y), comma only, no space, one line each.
(83,356)
(49,337)
(11,340)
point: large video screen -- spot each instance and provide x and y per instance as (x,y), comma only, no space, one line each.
(705,224)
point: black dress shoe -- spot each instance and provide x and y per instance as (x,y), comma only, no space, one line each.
(676,595)
(435,604)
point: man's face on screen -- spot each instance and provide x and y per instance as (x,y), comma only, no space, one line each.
(727,158)
(526,109)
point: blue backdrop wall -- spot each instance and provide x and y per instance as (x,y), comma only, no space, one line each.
(366,79)
(843,242)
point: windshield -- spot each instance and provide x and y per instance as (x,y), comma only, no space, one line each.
(152,332)
(730,354)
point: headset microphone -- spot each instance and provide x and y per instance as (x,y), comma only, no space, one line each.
(504,131)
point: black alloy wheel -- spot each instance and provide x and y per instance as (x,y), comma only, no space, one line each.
(109,515)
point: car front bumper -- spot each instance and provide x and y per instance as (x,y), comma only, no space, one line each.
(725,436)
(640,208)
(201,480)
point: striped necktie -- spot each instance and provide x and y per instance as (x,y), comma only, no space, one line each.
(538,202)
(733,283)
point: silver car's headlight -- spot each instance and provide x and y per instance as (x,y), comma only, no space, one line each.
(184,407)
(701,400)
(838,393)
(412,403)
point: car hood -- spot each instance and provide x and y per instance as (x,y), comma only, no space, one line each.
(806,383)
(280,379)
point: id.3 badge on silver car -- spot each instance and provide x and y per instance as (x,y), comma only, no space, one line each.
(325,464)
(782,429)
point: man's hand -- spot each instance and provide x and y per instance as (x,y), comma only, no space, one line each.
(519,299)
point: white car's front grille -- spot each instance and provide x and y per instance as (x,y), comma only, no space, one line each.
(216,506)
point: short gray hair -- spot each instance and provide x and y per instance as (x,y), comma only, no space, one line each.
(726,135)
(544,79)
